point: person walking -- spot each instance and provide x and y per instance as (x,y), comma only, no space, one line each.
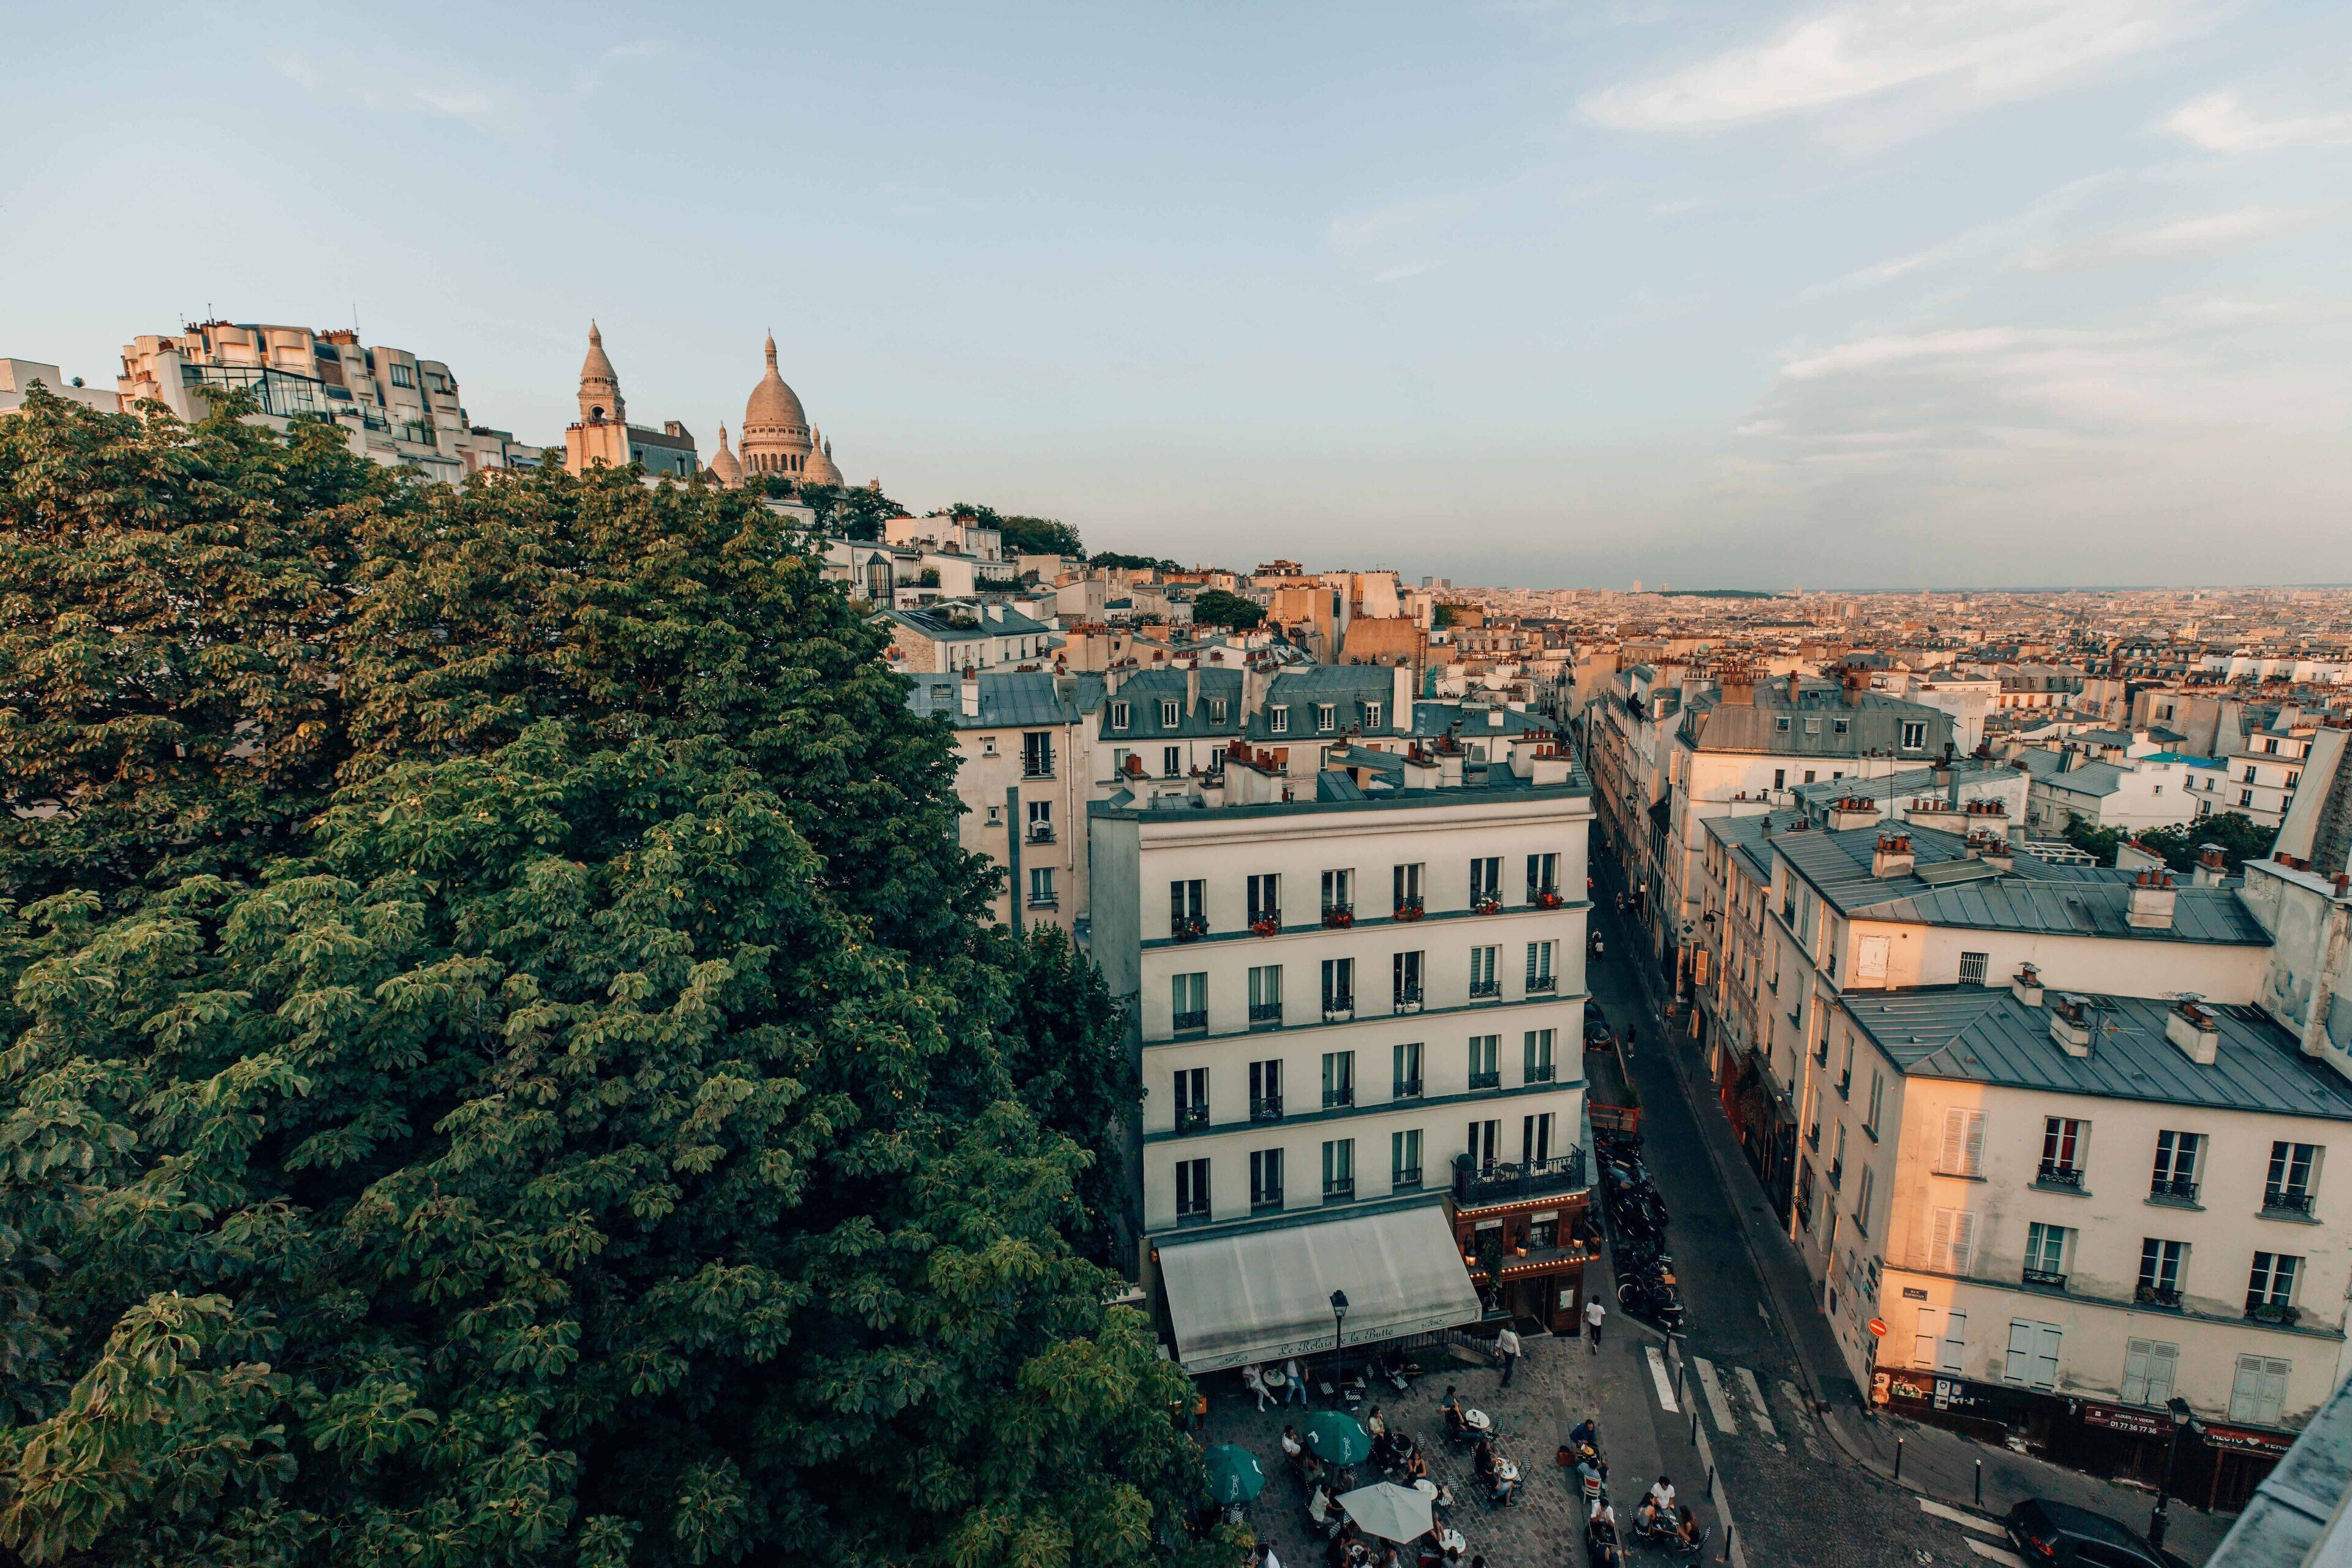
(1507,1342)
(1593,1313)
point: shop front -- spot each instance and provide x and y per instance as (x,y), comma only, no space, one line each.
(1765,1125)
(1527,1257)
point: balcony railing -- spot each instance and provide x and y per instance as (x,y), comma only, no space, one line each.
(1338,1009)
(1266,1198)
(1266,922)
(1192,1118)
(1501,1183)
(1036,767)
(1542,1072)
(1266,1107)
(1196,1216)
(2172,1189)
(1196,1019)
(2053,1174)
(1814,1137)
(1546,898)
(2045,1278)
(1339,1189)
(1265,1012)
(1189,928)
(1335,1098)
(1408,999)
(1406,1179)
(1041,833)
(2278,1201)
(2262,1312)
(1486,1079)
(1407,1088)
(1845,1085)
(1338,914)
(1837,1175)
(1480,989)
(1543,985)
(1409,909)
(2157,1295)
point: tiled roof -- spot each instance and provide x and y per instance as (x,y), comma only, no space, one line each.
(1987,1035)
(1008,698)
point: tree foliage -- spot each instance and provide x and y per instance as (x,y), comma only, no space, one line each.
(1112,558)
(543,1093)
(2240,836)
(1217,607)
(851,512)
(1025,535)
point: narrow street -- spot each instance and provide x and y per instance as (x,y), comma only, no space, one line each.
(1759,1357)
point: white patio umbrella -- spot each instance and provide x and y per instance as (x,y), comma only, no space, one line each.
(1388,1511)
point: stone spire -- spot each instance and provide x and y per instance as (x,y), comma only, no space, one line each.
(600,386)
(723,466)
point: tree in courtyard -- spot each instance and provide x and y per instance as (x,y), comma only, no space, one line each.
(1217,607)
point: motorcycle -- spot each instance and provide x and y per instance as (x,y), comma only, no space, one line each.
(1652,1299)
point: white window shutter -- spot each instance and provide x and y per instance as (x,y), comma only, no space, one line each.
(1939,1248)
(2137,1354)
(1923,1339)
(2162,1365)
(1975,1155)
(2045,1356)
(1955,1139)
(1964,1240)
(1956,1341)
(2020,1365)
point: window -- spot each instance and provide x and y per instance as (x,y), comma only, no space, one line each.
(1339,1078)
(1339,984)
(1972,968)
(1192,1189)
(1171,762)
(1326,717)
(1484,1137)
(1041,821)
(1041,888)
(1170,714)
(988,745)
(1485,880)
(1264,897)
(1536,1063)
(1915,734)
(1939,1340)
(1188,907)
(2175,1166)
(2161,1264)
(1037,756)
(2045,1255)
(1404,1159)
(1277,720)
(1119,715)
(1952,1246)
(1484,1053)
(1539,962)
(2033,1354)
(1371,715)
(2269,1288)
(402,376)
(2258,1393)
(1543,876)
(2288,1185)
(1780,775)
(1266,1089)
(1861,1200)
(1190,1000)
(1339,1168)
(1406,1063)
(1809,775)
(1780,724)
(2063,1143)
(2148,1369)
(1338,892)
(1266,994)
(1877,1101)
(1265,1179)
(1216,709)
(1534,1138)
(1404,979)
(1482,979)
(2246,797)
(1813,725)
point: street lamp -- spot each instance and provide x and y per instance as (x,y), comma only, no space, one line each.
(2178,1408)
(1338,1319)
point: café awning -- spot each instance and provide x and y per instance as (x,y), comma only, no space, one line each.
(1265,1295)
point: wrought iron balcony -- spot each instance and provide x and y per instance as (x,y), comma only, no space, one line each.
(1406,1179)
(1411,909)
(1408,999)
(1338,1009)
(1041,833)
(1543,984)
(1196,1216)
(1192,1118)
(2157,1295)
(1486,1079)
(1837,1175)
(1335,1098)
(1845,1085)
(1502,1183)
(1196,1019)
(2045,1278)
(1407,1088)
(1814,1137)
(2285,1201)
(2172,1189)
(1338,914)
(1266,922)
(1545,898)
(1486,903)
(1482,989)
(1189,928)
(1266,1198)
(1339,1189)
(2262,1312)
(1265,1012)
(1542,1072)
(1266,1107)
(2056,1174)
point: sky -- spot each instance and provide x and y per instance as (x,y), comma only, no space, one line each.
(1987,293)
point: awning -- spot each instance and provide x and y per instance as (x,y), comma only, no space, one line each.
(1266,1294)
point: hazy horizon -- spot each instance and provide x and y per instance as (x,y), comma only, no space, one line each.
(2012,292)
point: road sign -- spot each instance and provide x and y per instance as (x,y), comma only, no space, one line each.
(1877,1326)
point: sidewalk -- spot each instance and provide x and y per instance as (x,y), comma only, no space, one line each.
(1934,1462)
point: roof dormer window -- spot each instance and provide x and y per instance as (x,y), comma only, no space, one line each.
(1169,714)
(1326,716)
(1216,709)
(1371,715)
(1119,715)
(1277,720)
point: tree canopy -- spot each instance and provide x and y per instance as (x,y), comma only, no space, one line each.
(506,1063)
(2240,836)
(1133,563)
(1218,607)
(852,511)
(1025,535)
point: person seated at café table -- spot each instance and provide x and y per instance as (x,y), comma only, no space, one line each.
(1685,1524)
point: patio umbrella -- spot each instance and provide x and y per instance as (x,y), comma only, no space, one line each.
(1337,1437)
(1233,1474)
(1388,1511)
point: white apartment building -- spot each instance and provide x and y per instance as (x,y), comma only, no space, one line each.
(2160,790)
(1356,982)
(2263,769)
(394,408)
(18,377)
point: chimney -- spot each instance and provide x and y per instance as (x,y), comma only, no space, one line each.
(1795,685)
(1739,688)
(1894,857)
(2211,866)
(1110,678)
(1852,680)
(2026,984)
(1192,688)
(1495,717)
(1400,697)
(1853,811)
(970,692)
(2069,1025)
(2153,898)
(2193,1029)
(1998,852)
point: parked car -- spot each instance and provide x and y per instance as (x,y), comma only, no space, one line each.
(1596,1030)
(2062,1536)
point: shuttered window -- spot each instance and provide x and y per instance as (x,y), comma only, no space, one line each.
(2259,1392)
(1963,1150)
(1952,1247)
(2033,1354)
(2148,1367)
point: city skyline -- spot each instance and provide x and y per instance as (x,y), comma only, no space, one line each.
(2009,296)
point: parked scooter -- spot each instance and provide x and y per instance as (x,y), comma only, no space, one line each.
(1653,1300)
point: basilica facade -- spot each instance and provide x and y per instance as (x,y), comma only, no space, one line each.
(776,439)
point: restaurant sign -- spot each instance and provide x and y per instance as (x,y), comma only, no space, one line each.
(2117,1418)
(2239,1440)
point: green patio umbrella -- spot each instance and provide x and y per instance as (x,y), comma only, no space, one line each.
(1234,1475)
(1337,1437)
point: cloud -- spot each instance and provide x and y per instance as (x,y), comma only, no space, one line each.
(1999,233)
(2206,234)
(1985,50)
(378,87)
(2220,124)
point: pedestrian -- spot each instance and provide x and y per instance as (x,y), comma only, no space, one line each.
(1266,1559)
(1507,1341)
(1200,1410)
(1593,1313)
(1297,1384)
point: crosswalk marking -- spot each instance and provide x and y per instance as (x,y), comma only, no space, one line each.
(1804,1422)
(1755,1403)
(2001,1554)
(1965,1520)
(1715,1403)
(1665,1384)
